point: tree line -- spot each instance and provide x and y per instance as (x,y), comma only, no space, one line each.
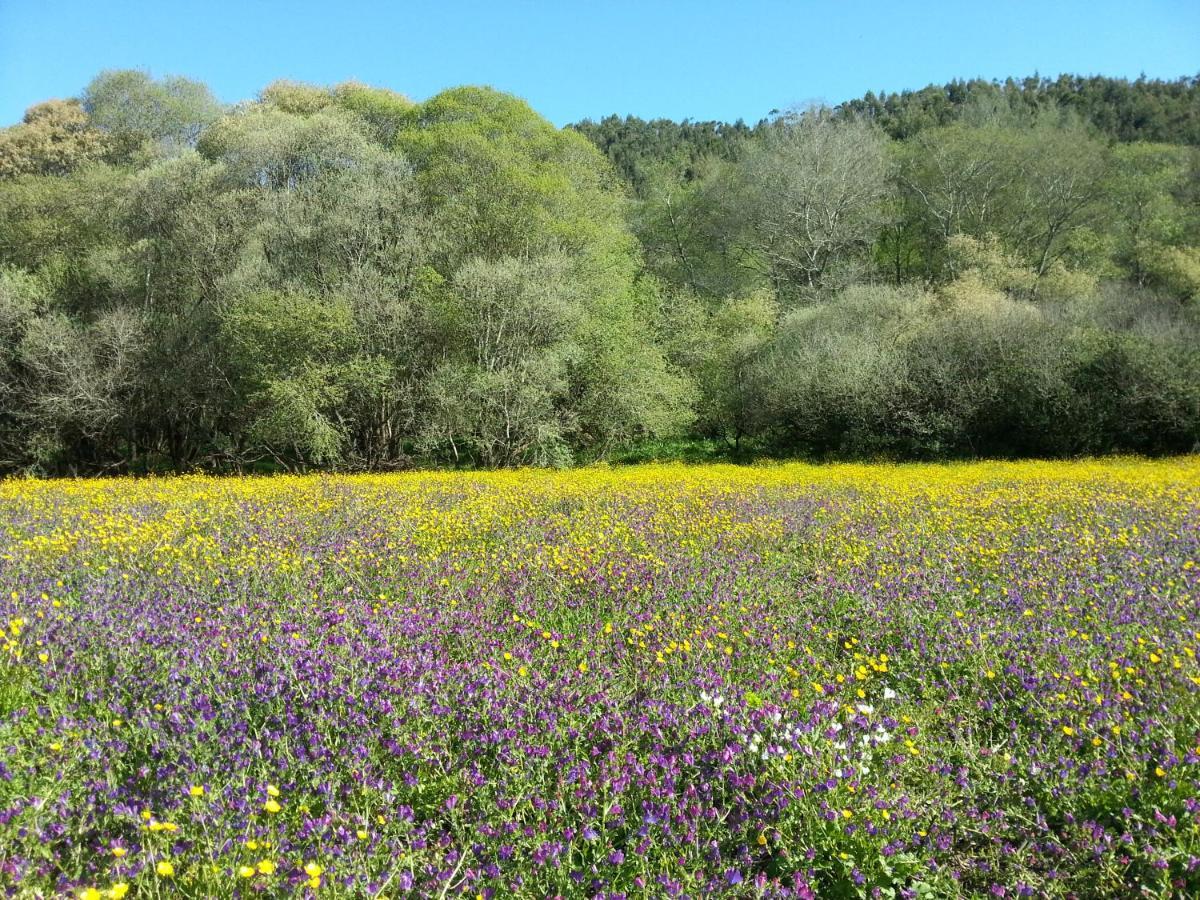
(1148,110)
(340,277)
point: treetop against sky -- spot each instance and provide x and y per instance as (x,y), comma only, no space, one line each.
(704,60)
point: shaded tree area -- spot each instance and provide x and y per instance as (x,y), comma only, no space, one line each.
(339,277)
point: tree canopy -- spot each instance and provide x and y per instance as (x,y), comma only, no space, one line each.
(338,276)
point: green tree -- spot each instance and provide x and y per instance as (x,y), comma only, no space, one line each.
(1143,194)
(54,138)
(294,359)
(171,112)
(689,234)
(719,343)
(809,200)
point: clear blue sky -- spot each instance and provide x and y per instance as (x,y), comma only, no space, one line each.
(571,59)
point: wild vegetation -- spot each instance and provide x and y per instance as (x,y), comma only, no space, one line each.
(339,277)
(785,681)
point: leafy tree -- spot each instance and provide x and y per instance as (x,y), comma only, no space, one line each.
(640,149)
(1037,190)
(171,112)
(338,277)
(1146,109)
(295,98)
(1143,194)
(809,199)
(382,111)
(294,359)
(54,138)
(501,398)
(690,234)
(719,343)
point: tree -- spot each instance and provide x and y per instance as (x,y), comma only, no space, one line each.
(294,359)
(640,149)
(688,233)
(501,395)
(1037,190)
(338,277)
(171,112)
(54,138)
(1142,192)
(506,186)
(383,112)
(1061,177)
(719,344)
(956,180)
(1142,110)
(809,197)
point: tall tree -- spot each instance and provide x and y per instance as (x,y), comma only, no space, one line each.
(54,138)
(809,197)
(171,112)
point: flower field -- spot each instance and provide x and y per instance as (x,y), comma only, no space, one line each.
(660,681)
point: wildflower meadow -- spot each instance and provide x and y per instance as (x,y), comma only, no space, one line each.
(655,681)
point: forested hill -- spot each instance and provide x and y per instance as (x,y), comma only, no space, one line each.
(636,146)
(1166,112)
(1152,110)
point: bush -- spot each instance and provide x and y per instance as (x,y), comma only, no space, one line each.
(973,372)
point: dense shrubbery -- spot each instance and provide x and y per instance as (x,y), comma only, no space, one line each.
(340,277)
(904,373)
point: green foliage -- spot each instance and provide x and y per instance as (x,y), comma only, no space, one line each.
(383,111)
(808,200)
(501,398)
(171,112)
(1145,109)
(1145,192)
(974,371)
(1177,270)
(295,98)
(295,359)
(337,276)
(1037,191)
(718,344)
(55,138)
(687,232)
(639,149)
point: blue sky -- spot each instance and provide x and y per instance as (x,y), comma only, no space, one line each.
(702,60)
